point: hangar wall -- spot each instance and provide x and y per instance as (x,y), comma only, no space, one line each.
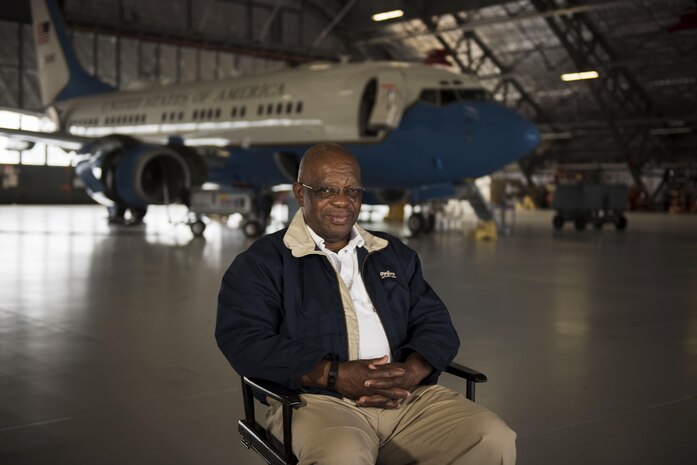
(122,62)
(45,185)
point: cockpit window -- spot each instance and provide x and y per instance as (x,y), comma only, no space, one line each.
(447,96)
(429,96)
(473,94)
(441,97)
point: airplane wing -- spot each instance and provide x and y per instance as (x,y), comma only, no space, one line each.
(62,140)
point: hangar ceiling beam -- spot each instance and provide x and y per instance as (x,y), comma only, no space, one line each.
(474,25)
(270,20)
(617,93)
(325,32)
(335,26)
(290,54)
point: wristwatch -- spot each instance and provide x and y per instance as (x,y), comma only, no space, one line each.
(333,374)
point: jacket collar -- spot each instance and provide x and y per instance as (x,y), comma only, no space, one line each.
(298,239)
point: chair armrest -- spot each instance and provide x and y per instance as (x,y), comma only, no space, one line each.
(471,376)
(467,373)
(274,390)
(255,435)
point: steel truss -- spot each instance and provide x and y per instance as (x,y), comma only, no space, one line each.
(618,95)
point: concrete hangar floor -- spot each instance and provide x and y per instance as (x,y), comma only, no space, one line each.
(107,353)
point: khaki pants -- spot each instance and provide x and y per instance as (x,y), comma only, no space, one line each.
(437,426)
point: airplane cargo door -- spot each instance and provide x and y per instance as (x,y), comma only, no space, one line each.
(388,95)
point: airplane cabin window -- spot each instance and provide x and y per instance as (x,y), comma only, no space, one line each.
(429,96)
(447,96)
(269,108)
(195,115)
(243,110)
(233,112)
(210,113)
(279,108)
(172,116)
(289,108)
(299,107)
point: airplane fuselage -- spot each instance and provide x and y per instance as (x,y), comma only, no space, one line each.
(409,124)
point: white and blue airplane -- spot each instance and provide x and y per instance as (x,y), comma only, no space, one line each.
(417,131)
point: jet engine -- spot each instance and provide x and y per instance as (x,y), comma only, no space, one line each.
(120,170)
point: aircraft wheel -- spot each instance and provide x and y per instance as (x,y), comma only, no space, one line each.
(621,223)
(558,222)
(415,223)
(580,223)
(252,229)
(197,228)
(429,223)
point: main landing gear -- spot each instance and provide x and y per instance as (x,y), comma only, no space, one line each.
(421,222)
(118,215)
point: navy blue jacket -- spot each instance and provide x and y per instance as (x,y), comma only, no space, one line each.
(280,308)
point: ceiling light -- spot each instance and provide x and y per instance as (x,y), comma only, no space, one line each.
(388,15)
(579,76)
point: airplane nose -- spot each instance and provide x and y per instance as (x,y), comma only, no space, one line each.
(529,133)
(510,133)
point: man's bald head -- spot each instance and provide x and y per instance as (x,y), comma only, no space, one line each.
(320,154)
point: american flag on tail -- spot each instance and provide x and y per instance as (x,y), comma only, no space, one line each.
(42,31)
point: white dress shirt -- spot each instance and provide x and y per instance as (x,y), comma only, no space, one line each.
(372,338)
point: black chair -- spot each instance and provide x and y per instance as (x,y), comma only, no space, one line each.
(256,437)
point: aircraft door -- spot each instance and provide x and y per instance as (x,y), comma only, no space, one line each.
(389,101)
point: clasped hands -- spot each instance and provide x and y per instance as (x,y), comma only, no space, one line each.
(377,383)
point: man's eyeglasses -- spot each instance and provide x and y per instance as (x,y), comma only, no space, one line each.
(331,192)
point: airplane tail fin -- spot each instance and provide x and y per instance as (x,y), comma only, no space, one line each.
(60,75)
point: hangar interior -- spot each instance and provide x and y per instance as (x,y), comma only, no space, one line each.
(589,340)
(634,125)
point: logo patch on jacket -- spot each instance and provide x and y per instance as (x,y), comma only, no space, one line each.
(387,274)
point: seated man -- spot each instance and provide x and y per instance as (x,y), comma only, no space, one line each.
(345,317)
